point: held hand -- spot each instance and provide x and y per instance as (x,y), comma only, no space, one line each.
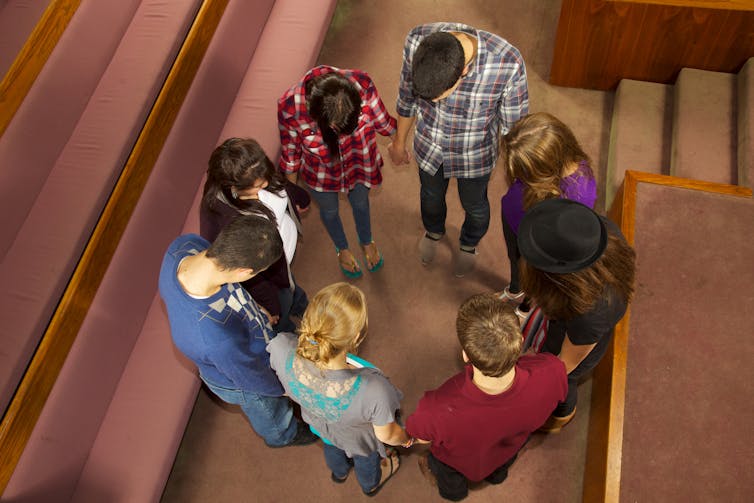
(399,154)
(304,210)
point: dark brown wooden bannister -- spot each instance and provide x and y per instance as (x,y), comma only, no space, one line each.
(35,387)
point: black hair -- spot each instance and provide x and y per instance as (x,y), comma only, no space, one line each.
(248,241)
(333,100)
(237,164)
(437,65)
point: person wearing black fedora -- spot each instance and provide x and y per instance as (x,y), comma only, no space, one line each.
(579,269)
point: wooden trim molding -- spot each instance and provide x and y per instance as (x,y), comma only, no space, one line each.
(702,4)
(33,55)
(35,387)
(602,470)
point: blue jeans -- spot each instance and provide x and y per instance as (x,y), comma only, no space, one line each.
(473,195)
(270,416)
(292,303)
(367,468)
(330,215)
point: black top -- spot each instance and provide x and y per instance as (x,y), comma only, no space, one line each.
(264,286)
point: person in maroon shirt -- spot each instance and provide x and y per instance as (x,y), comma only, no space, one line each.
(479,419)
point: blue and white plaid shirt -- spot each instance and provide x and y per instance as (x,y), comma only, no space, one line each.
(461,132)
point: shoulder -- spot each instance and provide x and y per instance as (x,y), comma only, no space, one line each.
(187,244)
(282,343)
(543,366)
(498,46)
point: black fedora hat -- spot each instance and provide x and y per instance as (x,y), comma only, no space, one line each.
(561,236)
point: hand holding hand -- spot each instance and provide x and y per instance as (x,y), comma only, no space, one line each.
(399,154)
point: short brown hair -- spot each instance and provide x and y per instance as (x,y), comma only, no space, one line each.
(490,335)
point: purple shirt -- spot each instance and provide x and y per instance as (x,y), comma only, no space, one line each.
(578,187)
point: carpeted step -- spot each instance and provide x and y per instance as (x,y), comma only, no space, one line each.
(704,127)
(639,132)
(745,96)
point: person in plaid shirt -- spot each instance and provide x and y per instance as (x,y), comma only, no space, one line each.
(464,88)
(327,124)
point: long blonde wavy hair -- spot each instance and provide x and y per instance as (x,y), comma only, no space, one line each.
(539,150)
(334,321)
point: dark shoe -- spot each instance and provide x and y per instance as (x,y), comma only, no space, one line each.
(337,480)
(394,462)
(424,468)
(556,423)
(304,436)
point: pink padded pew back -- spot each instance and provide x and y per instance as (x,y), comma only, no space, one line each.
(17,20)
(64,150)
(52,463)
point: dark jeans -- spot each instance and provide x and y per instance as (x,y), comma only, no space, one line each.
(473,195)
(514,255)
(367,468)
(329,212)
(454,486)
(292,303)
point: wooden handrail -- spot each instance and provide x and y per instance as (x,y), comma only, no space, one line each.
(31,395)
(602,468)
(32,57)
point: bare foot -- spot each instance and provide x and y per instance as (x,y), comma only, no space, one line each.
(372,254)
(348,261)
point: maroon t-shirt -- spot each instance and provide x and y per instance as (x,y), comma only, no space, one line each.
(476,433)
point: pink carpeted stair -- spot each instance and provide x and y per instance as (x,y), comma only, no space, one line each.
(704,126)
(641,119)
(700,128)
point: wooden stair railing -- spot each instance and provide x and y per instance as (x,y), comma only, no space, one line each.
(30,397)
(32,57)
(602,470)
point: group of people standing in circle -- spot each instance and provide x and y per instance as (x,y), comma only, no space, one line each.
(232,298)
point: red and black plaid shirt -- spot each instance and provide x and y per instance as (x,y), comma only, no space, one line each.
(304,149)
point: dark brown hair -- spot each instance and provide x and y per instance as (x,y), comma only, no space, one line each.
(237,164)
(564,296)
(539,149)
(490,335)
(333,100)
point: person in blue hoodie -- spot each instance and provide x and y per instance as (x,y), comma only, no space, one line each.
(218,326)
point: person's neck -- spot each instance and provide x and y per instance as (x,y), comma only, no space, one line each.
(469,44)
(199,276)
(337,362)
(493,385)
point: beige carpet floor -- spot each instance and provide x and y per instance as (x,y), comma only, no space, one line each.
(411,308)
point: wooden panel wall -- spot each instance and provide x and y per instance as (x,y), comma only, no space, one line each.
(600,42)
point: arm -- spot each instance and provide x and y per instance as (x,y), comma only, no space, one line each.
(406,105)
(299,196)
(391,434)
(397,149)
(515,102)
(382,121)
(572,354)
(290,142)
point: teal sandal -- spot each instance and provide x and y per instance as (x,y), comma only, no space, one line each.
(376,267)
(349,274)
